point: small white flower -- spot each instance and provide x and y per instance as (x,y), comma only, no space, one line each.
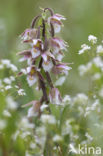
(25,134)
(67,98)
(101,92)
(48,119)
(98,62)
(7,80)
(6,113)
(24,71)
(8,87)
(83,69)
(32,145)
(57,138)
(25,124)
(92,39)
(1,66)
(2,124)
(21,92)
(13,68)
(6,62)
(16,86)
(99,49)
(12,78)
(84,48)
(81,98)
(11,104)
(96,76)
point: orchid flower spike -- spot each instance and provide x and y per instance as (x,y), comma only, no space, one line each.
(44,56)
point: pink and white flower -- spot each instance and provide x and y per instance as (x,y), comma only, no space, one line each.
(57,44)
(32,77)
(37,48)
(56,21)
(34,109)
(29,34)
(54,96)
(61,68)
(47,65)
(60,56)
(26,55)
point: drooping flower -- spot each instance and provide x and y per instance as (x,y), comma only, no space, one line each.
(56,21)
(61,68)
(57,44)
(34,109)
(26,55)
(54,96)
(29,34)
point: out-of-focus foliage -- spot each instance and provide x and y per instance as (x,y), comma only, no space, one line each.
(79,119)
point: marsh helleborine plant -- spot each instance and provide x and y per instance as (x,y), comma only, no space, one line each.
(44,56)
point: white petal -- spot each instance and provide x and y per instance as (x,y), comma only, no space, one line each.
(57,28)
(47,65)
(35,53)
(31,80)
(59,57)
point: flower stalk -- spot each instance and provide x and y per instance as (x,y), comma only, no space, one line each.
(48,49)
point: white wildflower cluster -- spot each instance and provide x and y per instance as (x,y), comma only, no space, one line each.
(7,63)
(9,108)
(99,49)
(84,48)
(96,64)
(94,68)
(8,83)
(48,119)
(92,39)
(21,92)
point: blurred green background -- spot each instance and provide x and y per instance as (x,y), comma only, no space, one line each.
(84,17)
